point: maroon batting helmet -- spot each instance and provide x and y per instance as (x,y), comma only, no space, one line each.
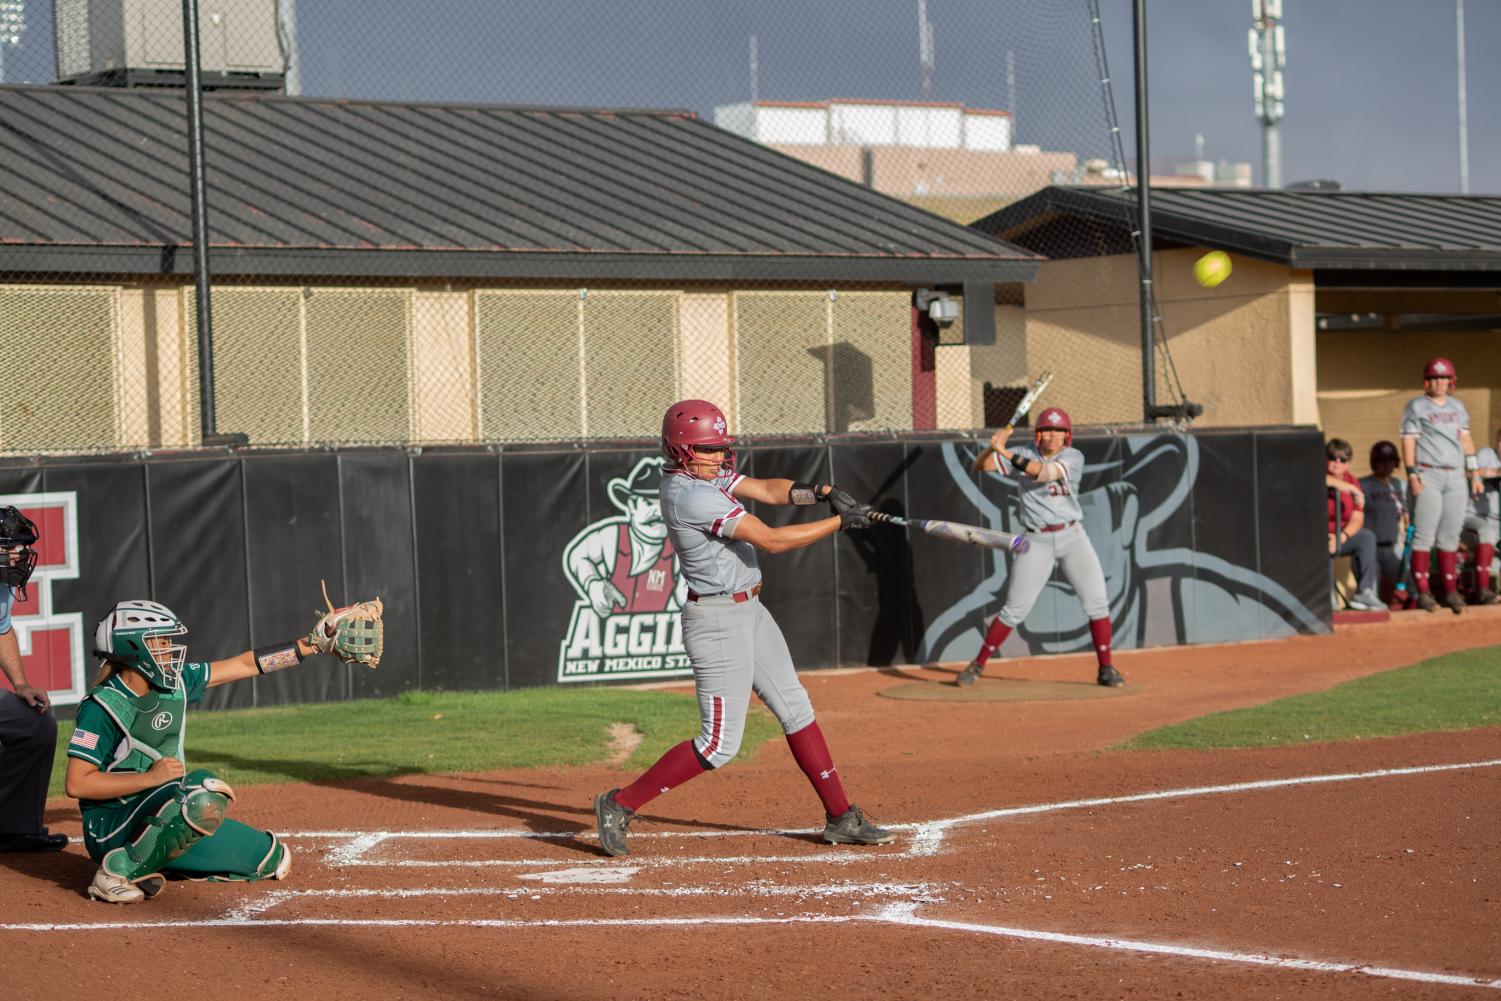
(1440,368)
(1384,451)
(695,422)
(1056,419)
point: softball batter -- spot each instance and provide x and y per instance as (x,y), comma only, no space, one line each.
(145,816)
(734,644)
(1047,480)
(1440,458)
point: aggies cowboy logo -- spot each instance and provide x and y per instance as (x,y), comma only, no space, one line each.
(625,622)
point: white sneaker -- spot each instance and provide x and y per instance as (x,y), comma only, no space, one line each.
(284,867)
(112,889)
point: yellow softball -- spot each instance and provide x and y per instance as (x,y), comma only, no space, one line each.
(1212,268)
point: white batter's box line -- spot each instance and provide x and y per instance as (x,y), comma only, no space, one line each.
(905,914)
(902,915)
(927,840)
(922,892)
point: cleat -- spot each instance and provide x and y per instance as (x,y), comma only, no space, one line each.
(112,888)
(1427,602)
(970,674)
(1454,603)
(852,828)
(284,867)
(1486,596)
(613,822)
(1109,677)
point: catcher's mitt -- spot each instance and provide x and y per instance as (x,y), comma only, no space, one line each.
(355,633)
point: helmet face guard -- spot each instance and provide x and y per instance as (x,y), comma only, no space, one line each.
(690,425)
(17,535)
(122,636)
(1055,419)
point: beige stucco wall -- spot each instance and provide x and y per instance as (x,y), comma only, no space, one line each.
(1245,349)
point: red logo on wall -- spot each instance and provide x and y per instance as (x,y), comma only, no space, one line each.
(52,647)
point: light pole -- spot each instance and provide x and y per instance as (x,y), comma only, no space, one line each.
(12,27)
(1268,56)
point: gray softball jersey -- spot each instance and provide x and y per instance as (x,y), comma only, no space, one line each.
(1437,430)
(1055,503)
(701,516)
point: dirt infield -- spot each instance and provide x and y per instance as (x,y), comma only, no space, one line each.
(1031,862)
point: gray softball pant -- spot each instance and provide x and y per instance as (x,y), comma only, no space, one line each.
(735,649)
(1438,513)
(1068,548)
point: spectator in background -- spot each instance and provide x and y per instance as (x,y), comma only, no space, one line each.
(1484,519)
(1348,535)
(1386,516)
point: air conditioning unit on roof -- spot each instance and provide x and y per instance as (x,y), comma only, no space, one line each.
(139,43)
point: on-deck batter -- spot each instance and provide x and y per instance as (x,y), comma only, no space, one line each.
(1440,457)
(731,639)
(1047,480)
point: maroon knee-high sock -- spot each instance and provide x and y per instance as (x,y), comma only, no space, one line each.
(994,637)
(812,756)
(672,769)
(1484,553)
(1420,562)
(1099,629)
(1447,560)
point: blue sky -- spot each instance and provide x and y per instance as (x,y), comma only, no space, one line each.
(1371,83)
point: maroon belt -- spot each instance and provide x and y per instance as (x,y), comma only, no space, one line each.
(739,596)
(1424,465)
(1058,528)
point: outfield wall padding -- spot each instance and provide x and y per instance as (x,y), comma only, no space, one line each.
(480,556)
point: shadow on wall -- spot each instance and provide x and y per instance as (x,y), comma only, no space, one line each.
(850,385)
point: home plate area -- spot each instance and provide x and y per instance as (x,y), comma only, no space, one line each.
(1084,874)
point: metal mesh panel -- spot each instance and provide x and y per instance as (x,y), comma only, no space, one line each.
(531,383)
(358,367)
(62,342)
(781,359)
(871,383)
(630,361)
(259,362)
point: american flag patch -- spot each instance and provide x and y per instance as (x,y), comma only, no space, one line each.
(84,739)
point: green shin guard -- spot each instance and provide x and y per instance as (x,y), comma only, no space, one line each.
(195,813)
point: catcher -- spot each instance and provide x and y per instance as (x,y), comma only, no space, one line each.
(145,816)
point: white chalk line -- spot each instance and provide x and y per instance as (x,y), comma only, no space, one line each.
(927,840)
(904,914)
(933,832)
(928,892)
(896,914)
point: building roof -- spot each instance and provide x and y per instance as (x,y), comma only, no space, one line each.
(96,180)
(1328,230)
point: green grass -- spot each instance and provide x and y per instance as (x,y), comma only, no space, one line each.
(1458,691)
(421,732)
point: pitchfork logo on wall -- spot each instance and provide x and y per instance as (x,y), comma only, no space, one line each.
(51,641)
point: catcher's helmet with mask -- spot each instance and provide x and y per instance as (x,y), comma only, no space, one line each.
(121,636)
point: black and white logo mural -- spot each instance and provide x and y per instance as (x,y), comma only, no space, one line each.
(1153,525)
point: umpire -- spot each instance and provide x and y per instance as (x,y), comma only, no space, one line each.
(28,733)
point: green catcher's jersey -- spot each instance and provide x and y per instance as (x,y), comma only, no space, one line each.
(119,731)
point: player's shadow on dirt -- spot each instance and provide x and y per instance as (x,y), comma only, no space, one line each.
(536,815)
(70,868)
